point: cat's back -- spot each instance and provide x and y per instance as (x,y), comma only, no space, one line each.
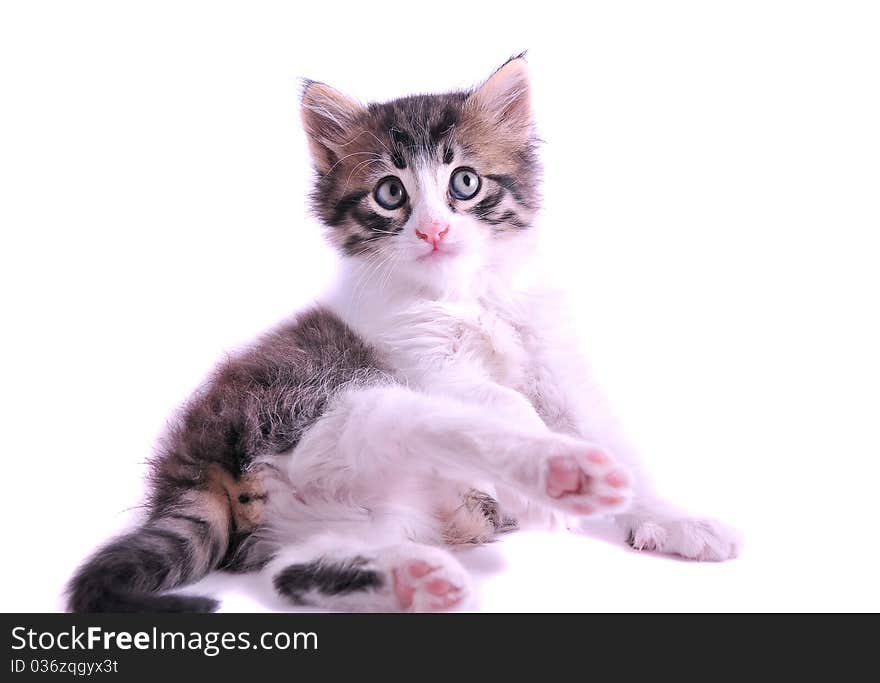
(261,399)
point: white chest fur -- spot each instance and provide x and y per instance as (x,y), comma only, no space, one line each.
(447,342)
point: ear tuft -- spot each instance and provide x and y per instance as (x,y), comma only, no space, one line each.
(328,118)
(506,96)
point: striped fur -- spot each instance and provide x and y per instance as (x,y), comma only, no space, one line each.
(205,492)
(354,146)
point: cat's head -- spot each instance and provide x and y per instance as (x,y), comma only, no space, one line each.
(430,186)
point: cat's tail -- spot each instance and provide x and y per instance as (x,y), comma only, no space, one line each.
(182,540)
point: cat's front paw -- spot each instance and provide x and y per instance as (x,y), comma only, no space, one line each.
(587,482)
(699,539)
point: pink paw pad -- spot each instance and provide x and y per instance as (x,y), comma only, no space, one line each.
(415,587)
(597,457)
(404,591)
(617,479)
(565,477)
(418,569)
(587,483)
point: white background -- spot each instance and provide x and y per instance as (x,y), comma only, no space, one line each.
(712,177)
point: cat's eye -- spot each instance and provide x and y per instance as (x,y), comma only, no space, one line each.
(390,193)
(464,183)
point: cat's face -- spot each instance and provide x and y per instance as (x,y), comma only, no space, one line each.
(428,185)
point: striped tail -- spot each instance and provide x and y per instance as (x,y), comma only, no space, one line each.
(180,543)
(206,494)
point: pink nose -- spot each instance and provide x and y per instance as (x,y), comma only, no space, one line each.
(433,232)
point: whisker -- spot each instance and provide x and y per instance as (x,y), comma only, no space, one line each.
(357,168)
(348,156)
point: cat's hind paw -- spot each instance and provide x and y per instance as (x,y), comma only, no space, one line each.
(427,584)
(588,482)
(700,539)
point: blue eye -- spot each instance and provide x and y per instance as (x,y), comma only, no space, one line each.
(390,193)
(464,183)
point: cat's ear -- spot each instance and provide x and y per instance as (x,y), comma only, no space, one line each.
(505,98)
(328,118)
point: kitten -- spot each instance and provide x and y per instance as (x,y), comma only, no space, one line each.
(434,397)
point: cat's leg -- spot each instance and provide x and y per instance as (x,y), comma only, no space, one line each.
(371,436)
(651,523)
(571,402)
(492,398)
(657,526)
(345,572)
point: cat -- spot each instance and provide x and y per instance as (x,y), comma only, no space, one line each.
(433,398)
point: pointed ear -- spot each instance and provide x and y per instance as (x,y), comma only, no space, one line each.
(328,118)
(505,97)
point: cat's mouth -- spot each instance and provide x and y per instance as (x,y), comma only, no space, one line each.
(441,253)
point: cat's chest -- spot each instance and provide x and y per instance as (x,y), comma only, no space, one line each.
(433,341)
